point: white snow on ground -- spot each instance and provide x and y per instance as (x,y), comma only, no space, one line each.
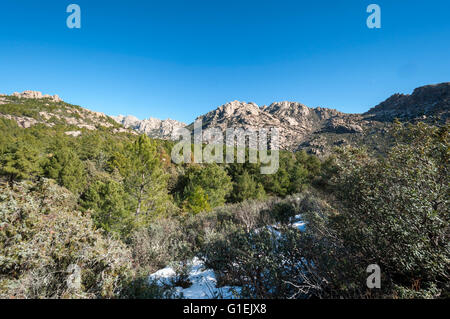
(299,225)
(296,223)
(203,282)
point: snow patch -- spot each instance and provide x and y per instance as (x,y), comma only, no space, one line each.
(203,282)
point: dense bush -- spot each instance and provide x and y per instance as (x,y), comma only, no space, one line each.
(42,239)
(394,211)
(205,187)
(65,167)
(20,160)
(246,187)
(108,203)
(262,252)
(162,243)
(390,211)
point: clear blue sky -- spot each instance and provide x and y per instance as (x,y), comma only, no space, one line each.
(180,59)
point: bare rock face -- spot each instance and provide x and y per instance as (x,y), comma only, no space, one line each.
(152,127)
(343,125)
(430,102)
(22,121)
(36,95)
(319,129)
(296,123)
(73,133)
(316,130)
(127,121)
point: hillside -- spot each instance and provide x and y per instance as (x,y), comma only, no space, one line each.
(152,127)
(91,209)
(31,108)
(317,130)
(430,103)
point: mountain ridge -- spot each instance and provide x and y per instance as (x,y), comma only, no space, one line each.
(316,130)
(153,127)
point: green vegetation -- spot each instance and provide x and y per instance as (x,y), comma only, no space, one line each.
(42,235)
(115,205)
(392,211)
(395,211)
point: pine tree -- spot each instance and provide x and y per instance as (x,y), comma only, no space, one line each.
(20,161)
(108,201)
(67,169)
(213,179)
(143,177)
(245,187)
(196,200)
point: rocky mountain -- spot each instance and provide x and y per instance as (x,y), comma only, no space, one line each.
(295,122)
(430,103)
(153,127)
(32,108)
(37,95)
(317,130)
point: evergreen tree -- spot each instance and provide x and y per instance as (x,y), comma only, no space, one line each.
(213,179)
(143,177)
(20,161)
(108,201)
(245,187)
(196,200)
(67,169)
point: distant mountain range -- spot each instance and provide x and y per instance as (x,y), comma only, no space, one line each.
(153,127)
(316,130)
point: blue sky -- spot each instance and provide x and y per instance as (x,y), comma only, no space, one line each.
(180,59)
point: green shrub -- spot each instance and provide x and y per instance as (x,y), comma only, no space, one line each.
(161,243)
(393,212)
(41,236)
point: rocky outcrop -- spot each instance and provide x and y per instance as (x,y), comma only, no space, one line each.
(22,121)
(73,133)
(152,127)
(343,124)
(319,129)
(430,103)
(316,130)
(38,109)
(37,95)
(297,124)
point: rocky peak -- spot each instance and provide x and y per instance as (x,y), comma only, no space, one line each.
(300,127)
(153,127)
(36,95)
(286,106)
(295,121)
(288,111)
(232,109)
(426,101)
(127,121)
